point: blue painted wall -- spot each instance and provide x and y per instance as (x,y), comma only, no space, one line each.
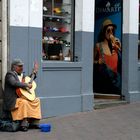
(63,87)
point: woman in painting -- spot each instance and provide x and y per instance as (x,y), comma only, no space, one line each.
(107,61)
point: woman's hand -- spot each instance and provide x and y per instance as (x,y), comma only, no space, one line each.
(116,45)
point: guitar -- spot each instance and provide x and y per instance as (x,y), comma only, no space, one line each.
(27,93)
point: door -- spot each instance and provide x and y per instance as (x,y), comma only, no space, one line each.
(107,47)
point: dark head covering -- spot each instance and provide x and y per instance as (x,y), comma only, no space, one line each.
(17,62)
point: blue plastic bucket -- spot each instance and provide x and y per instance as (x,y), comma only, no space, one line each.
(45,127)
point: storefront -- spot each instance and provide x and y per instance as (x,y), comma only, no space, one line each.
(59,35)
(54,37)
(121,11)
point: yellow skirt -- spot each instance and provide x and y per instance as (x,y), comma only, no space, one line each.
(26,109)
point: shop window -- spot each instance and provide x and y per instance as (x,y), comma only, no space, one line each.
(57,31)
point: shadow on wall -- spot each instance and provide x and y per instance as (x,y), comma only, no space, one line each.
(1,99)
(1,91)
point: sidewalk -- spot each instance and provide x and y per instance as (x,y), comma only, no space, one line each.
(114,123)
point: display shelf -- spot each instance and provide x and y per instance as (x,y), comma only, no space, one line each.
(57,30)
(57,16)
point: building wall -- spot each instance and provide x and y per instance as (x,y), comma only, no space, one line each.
(130,71)
(63,87)
(66,87)
(25,19)
(84,34)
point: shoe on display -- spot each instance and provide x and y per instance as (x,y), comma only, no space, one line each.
(57,10)
(46,38)
(45,9)
(51,38)
(63,29)
(49,29)
(64,12)
(55,29)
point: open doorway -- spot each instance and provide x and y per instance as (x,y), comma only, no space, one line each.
(107,49)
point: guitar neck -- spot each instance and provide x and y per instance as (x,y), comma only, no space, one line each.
(34,71)
(32,77)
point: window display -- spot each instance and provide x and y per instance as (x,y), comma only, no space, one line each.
(57,38)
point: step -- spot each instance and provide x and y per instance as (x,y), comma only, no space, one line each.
(104,103)
(106,96)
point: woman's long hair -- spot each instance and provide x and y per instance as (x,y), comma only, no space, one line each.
(101,37)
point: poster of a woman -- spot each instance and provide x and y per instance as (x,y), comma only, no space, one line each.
(107,55)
